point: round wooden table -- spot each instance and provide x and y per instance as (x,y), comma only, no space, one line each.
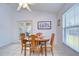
(40,41)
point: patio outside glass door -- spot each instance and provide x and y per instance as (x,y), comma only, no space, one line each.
(24,27)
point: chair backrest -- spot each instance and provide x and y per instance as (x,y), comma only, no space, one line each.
(33,36)
(52,39)
(33,41)
(22,38)
(40,35)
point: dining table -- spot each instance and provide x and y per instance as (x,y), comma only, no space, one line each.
(40,41)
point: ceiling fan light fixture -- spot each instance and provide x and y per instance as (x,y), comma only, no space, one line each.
(20,4)
(23,5)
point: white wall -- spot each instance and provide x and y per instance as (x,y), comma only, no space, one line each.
(35,16)
(8,23)
(5,24)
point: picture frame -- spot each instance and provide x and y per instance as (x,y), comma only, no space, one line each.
(58,22)
(44,25)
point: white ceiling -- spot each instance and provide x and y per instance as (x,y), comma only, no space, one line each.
(45,7)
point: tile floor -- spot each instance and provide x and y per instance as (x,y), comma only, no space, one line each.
(14,50)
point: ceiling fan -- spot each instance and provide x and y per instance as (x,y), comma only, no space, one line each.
(24,5)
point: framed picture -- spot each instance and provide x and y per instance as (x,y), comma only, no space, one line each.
(58,22)
(44,24)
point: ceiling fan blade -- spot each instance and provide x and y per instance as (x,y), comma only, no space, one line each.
(29,8)
(20,6)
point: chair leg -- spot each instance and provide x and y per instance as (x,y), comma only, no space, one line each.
(21,50)
(30,51)
(52,51)
(38,51)
(41,50)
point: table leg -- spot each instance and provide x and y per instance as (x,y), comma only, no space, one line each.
(41,49)
(25,51)
(30,49)
(45,50)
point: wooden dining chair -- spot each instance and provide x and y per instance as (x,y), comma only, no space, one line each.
(23,42)
(40,35)
(34,44)
(51,44)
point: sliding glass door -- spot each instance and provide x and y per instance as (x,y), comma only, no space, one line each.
(24,27)
(71,27)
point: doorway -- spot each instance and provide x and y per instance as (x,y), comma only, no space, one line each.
(25,26)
